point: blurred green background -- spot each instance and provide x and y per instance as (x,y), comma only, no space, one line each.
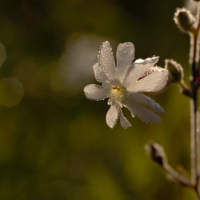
(55,144)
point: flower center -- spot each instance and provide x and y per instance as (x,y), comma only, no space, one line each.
(116,88)
(116,92)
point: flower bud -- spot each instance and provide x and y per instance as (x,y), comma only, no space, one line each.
(184,20)
(175,70)
(156,153)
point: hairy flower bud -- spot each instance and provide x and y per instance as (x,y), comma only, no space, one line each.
(184,20)
(156,153)
(175,70)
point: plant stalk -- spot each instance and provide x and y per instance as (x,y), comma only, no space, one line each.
(194,62)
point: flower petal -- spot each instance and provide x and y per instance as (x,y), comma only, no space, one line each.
(138,68)
(146,102)
(99,73)
(123,121)
(95,92)
(153,82)
(106,60)
(125,56)
(112,116)
(155,107)
(143,113)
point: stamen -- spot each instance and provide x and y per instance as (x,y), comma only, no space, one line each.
(116,88)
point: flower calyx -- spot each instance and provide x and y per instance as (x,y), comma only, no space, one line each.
(184,20)
(175,70)
(156,153)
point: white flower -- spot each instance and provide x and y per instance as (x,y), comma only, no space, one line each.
(124,84)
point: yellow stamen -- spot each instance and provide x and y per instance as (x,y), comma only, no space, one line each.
(116,88)
(116,92)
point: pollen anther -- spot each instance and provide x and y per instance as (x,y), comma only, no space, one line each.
(116,88)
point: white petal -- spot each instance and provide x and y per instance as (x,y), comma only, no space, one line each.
(138,68)
(155,107)
(112,116)
(106,60)
(146,101)
(129,104)
(2,54)
(95,92)
(99,73)
(151,83)
(123,121)
(125,56)
(144,114)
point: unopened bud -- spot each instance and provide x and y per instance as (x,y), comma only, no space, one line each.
(156,153)
(184,20)
(175,70)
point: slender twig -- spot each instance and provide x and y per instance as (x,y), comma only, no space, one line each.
(194,62)
(194,113)
(184,89)
(194,140)
(173,174)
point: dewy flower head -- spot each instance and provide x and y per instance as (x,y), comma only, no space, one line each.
(124,84)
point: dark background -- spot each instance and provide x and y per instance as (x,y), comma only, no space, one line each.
(55,143)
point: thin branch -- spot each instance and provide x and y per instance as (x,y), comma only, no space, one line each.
(174,175)
(194,62)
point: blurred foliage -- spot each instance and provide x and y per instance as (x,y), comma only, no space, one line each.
(55,144)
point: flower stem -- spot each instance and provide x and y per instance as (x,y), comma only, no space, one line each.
(194,139)
(179,178)
(194,62)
